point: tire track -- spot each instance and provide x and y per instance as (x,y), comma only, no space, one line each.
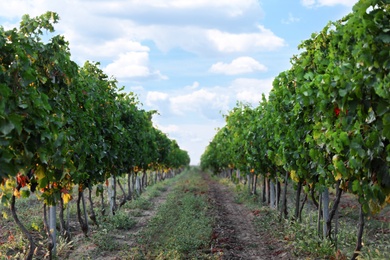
(234,236)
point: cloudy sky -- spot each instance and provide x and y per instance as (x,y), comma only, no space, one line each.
(192,60)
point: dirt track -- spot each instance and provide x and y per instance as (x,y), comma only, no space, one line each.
(235,234)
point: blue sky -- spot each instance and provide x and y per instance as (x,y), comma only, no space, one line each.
(192,60)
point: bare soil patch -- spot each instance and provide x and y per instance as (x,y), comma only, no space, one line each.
(234,234)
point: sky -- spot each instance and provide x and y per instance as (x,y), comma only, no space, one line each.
(192,60)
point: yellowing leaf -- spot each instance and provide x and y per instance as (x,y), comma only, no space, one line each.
(10,183)
(16,193)
(35,226)
(40,172)
(338,176)
(66,198)
(294,176)
(374,207)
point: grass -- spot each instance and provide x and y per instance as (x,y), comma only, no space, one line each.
(142,203)
(302,237)
(182,228)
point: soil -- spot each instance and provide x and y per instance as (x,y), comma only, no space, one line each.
(235,235)
(127,238)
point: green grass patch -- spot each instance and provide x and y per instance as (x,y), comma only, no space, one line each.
(140,203)
(181,229)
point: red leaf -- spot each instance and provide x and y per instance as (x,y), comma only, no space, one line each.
(337,111)
(65,191)
(21,180)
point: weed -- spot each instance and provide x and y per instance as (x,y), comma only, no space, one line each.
(140,203)
(136,213)
(161,188)
(154,193)
(63,247)
(104,240)
(182,227)
(122,220)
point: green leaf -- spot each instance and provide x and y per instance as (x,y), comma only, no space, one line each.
(43,79)
(4,91)
(339,165)
(382,108)
(386,131)
(344,138)
(343,92)
(45,102)
(16,120)
(385,37)
(6,156)
(358,149)
(386,119)
(356,186)
(366,207)
(42,155)
(60,140)
(43,183)
(354,164)
(6,127)
(25,193)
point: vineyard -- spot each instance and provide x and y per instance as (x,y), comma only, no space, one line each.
(85,174)
(66,129)
(325,127)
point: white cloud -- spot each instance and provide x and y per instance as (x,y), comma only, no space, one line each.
(17,8)
(195,112)
(114,48)
(155,96)
(137,88)
(132,65)
(191,102)
(192,137)
(169,129)
(159,101)
(308,2)
(240,65)
(312,3)
(216,3)
(194,85)
(251,90)
(203,41)
(204,101)
(232,7)
(166,38)
(291,19)
(127,23)
(265,40)
(211,102)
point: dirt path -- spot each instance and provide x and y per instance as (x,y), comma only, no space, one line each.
(235,234)
(125,238)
